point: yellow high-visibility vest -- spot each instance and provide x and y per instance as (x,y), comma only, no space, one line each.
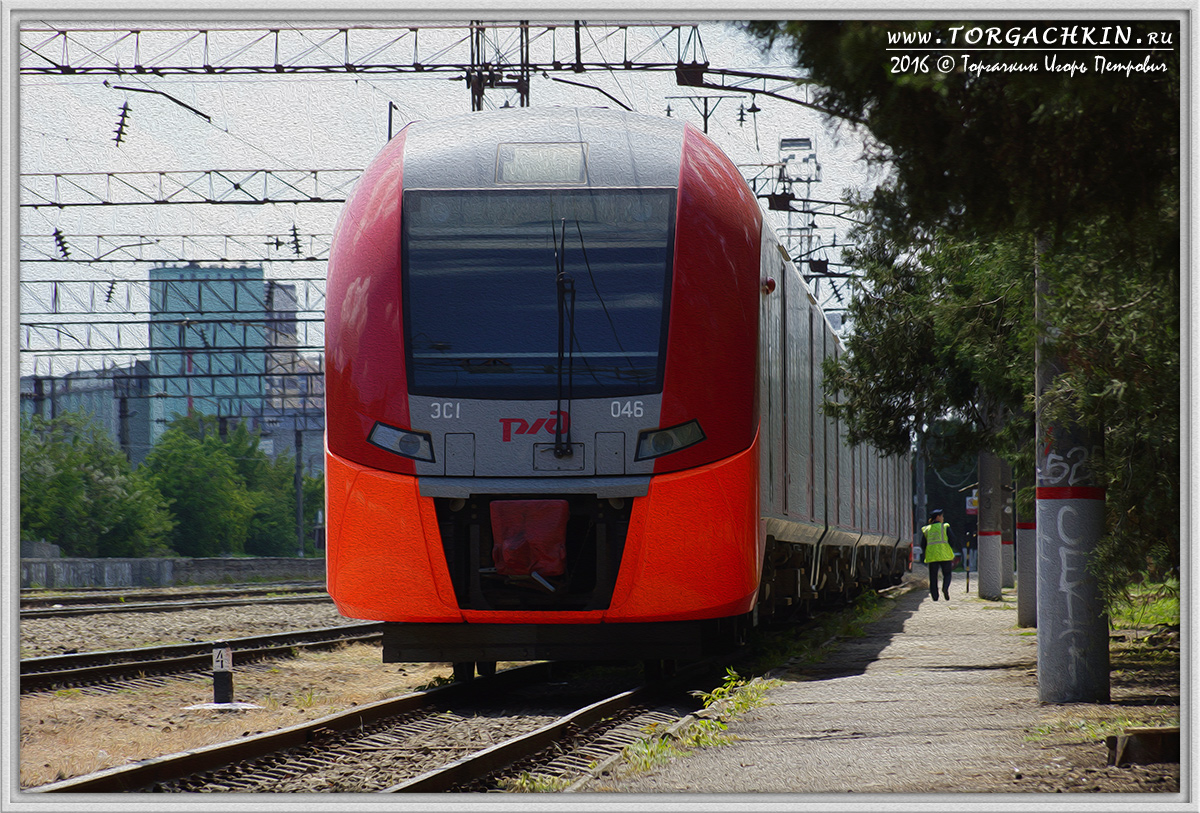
(937,546)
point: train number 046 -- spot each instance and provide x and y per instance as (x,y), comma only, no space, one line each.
(627,409)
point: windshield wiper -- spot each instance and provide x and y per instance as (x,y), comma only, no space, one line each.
(566,311)
(600,298)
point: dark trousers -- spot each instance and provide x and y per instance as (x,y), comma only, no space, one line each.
(945,568)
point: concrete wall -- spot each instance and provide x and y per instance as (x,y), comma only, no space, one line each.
(166,572)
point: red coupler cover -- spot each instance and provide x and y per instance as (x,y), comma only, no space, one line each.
(530,537)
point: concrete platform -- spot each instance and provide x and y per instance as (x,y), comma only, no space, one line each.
(935,700)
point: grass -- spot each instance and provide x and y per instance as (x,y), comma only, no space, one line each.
(1147,605)
(534,783)
(307,699)
(814,644)
(1097,725)
(645,755)
(705,734)
(440,680)
(735,696)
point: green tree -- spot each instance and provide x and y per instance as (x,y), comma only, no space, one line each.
(984,163)
(314,502)
(194,471)
(78,491)
(989,151)
(935,332)
(270,487)
(1119,317)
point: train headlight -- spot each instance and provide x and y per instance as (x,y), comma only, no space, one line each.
(658,442)
(404,442)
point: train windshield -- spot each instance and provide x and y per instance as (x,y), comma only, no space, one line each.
(518,293)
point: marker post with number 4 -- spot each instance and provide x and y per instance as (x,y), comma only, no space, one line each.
(222,682)
(222,673)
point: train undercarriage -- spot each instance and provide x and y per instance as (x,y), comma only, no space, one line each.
(797,580)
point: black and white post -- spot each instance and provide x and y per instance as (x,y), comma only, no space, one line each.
(222,673)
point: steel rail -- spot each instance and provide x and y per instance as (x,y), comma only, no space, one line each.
(157,770)
(103,666)
(48,597)
(501,755)
(168,606)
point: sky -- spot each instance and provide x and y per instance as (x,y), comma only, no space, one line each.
(333,122)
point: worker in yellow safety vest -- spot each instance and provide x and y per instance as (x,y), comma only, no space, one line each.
(939,555)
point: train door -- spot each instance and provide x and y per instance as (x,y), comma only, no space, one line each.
(771,379)
(799,388)
(821,422)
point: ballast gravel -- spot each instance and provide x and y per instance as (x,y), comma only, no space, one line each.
(57,636)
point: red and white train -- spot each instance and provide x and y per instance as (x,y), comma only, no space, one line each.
(572,401)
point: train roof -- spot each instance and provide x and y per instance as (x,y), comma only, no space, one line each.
(531,147)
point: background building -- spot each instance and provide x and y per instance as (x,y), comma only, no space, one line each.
(208,345)
(118,399)
(223,341)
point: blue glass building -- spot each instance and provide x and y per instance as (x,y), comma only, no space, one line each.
(208,343)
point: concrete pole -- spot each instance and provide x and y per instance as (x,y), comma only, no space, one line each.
(1026,571)
(123,422)
(991,503)
(921,497)
(1073,661)
(299,485)
(39,396)
(1008,529)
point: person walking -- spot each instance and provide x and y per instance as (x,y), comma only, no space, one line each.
(939,555)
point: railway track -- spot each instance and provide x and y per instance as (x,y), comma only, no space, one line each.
(91,668)
(438,741)
(459,737)
(133,601)
(45,596)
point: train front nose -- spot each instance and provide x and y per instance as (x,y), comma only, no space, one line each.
(558,444)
